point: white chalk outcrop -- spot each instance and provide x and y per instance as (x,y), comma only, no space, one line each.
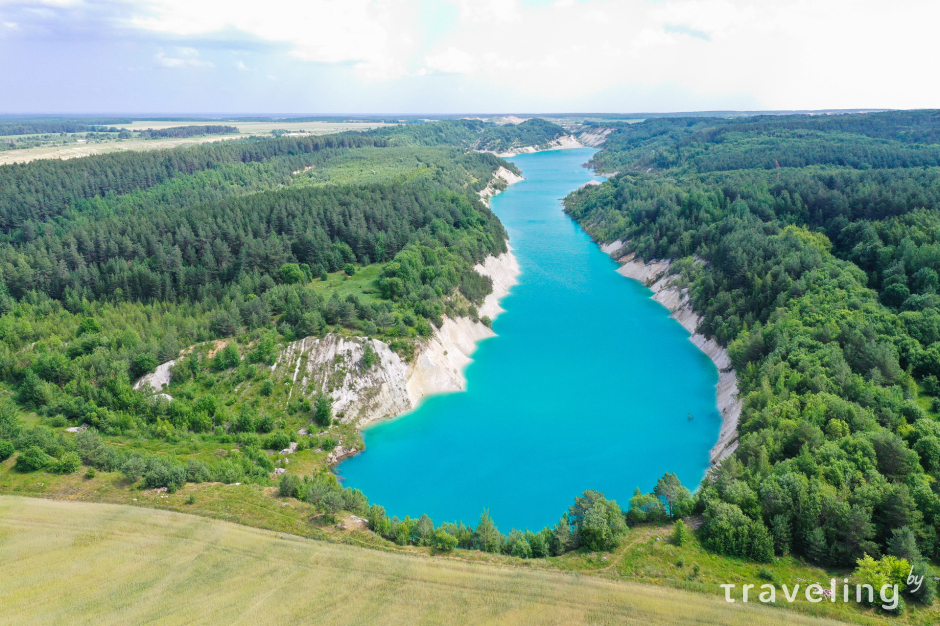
(333,364)
(595,137)
(656,276)
(156,380)
(564,142)
(493,188)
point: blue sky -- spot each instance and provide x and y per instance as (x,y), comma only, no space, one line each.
(463,56)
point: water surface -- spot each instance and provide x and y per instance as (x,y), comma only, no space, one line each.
(588,385)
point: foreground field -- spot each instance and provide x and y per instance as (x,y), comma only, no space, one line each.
(77,563)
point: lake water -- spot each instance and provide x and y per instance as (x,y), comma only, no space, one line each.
(588,385)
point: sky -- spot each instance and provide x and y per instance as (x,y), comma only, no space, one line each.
(465,56)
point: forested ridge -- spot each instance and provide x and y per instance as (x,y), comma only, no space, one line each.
(113,264)
(821,280)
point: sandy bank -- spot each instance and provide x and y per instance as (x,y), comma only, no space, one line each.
(656,276)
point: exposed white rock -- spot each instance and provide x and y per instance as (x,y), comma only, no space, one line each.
(333,364)
(656,276)
(595,137)
(156,380)
(612,247)
(564,142)
(503,174)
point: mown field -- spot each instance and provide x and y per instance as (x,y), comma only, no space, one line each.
(79,563)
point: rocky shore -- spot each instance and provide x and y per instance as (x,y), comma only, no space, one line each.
(656,275)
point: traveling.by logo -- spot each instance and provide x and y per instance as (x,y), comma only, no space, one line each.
(816,593)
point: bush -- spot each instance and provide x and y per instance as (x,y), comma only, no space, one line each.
(355,501)
(91,473)
(680,533)
(67,464)
(6,450)
(197,471)
(323,413)
(289,486)
(163,473)
(267,388)
(134,467)
(277,441)
(517,546)
(33,459)
(444,541)
(727,530)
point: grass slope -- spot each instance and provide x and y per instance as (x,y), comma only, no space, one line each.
(80,563)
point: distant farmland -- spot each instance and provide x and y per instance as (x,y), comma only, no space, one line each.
(82,563)
(245,129)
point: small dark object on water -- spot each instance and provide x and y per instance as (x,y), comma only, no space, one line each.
(690,416)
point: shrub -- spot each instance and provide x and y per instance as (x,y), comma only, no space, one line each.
(67,464)
(355,501)
(516,545)
(277,441)
(197,471)
(267,388)
(134,467)
(680,533)
(164,473)
(91,473)
(327,444)
(32,459)
(323,413)
(6,450)
(444,541)
(289,485)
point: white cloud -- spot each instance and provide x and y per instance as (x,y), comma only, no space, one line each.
(489,11)
(185,57)
(372,34)
(569,54)
(240,66)
(452,61)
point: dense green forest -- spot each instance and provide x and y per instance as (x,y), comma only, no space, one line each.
(115,263)
(809,244)
(35,126)
(187,131)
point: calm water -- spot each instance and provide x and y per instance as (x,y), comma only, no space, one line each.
(588,384)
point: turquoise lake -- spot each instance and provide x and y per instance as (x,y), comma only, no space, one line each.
(588,385)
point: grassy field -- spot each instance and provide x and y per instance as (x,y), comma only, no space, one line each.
(79,563)
(645,557)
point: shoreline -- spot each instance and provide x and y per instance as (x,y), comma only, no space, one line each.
(565,142)
(655,275)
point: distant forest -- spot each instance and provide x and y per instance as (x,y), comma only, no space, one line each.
(187,131)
